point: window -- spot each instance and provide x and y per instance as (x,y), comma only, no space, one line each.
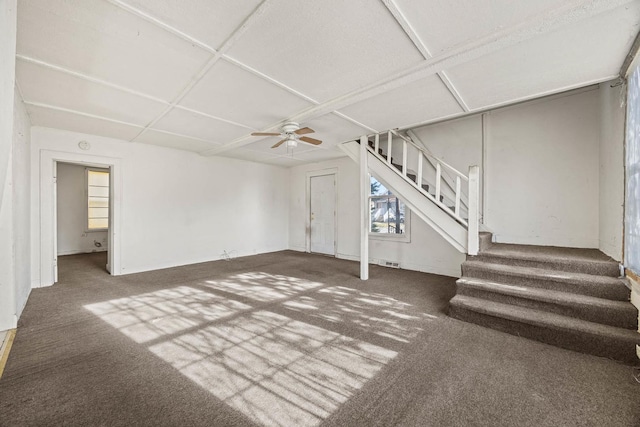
(97,200)
(389,216)
(632,199)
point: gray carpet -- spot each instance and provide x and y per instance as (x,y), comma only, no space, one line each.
(287,339)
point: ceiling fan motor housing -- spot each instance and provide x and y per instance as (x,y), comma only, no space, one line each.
(290,127)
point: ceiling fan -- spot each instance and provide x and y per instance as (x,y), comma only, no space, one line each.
(291,132)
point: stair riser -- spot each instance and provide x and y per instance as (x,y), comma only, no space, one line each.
(597,345)
(618,292)
(622,318)
(595,268)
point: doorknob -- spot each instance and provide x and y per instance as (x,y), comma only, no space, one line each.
(313,216)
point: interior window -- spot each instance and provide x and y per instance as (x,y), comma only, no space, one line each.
(387,210)
(632,199)
(97,200)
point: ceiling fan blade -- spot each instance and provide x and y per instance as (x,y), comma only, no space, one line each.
(304,131)
(265,134)
(279,143)
(310,140)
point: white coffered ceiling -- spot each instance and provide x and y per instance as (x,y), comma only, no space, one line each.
(201,75)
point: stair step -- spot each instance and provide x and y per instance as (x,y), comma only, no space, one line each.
(585,284)
(561,331)
(590,261)
(621,314)
(485,240)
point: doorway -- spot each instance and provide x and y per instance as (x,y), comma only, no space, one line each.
(322,214)
(46,268)
(82,210)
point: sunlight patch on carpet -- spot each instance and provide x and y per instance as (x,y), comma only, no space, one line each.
(276,370)
(152,315)
(262,286)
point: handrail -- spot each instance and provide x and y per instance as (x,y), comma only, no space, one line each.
(423,151)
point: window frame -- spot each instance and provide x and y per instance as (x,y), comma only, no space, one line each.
(391,237)
(88,229)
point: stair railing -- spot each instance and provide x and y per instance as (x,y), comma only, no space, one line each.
(471,182)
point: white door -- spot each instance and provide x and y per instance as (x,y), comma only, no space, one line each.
(323,214)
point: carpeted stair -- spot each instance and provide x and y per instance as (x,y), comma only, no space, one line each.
(567,297)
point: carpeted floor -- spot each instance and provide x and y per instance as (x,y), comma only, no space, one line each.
(287,339)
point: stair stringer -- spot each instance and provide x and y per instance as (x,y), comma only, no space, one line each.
(451,230)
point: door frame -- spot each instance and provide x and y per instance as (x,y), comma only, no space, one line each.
(311,174)
(48,209)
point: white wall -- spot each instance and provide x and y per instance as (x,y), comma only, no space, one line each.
(178,207)
(8,310)
(72,235)
(426,251)
(540,167)
(21,176)
(612,116)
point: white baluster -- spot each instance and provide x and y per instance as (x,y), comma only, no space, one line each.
(438,177)
(419,179)
(389,139)
(457,208)
(404,157)
(377,143)
(473,244)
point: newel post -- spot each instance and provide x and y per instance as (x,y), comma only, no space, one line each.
(473,244)
(365,189)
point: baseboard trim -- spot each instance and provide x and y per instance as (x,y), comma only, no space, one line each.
(5,349)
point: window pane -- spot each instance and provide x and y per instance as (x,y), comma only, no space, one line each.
(98,202)
(387,215)
(377,188)
(632,202)
(100,179)
(98,191)
(98,223)
(98,213)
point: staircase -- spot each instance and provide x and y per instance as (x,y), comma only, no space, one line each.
(570,298)
(440,195)
(567,297)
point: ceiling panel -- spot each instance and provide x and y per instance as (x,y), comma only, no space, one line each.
(417,102)
(62,120)
(590,50)
(442,25)
(208,21)
(173,141)
(102,40)
(332,129)
(47,86)
(234,94)
(195,125)
(325,49)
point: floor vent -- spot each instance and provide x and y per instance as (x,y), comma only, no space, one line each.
(389,264)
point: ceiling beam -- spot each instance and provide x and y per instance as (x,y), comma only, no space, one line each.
(108,119)
(543,23)
(424,50)
(226,45)
(120,88)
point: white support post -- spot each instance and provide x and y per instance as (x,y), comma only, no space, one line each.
(377,144)
(389,139)
(365,189)
(473,237)
(438,179)
(404,157)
